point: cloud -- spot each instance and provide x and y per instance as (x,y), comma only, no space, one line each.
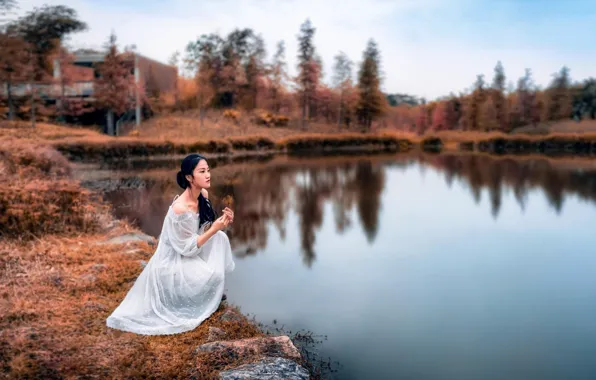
(428,47)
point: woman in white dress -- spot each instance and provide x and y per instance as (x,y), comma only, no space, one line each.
(183,282)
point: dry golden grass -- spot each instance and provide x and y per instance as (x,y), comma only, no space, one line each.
(45,131)
(565,126)
(56,295)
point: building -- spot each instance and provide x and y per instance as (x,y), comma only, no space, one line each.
(162,77)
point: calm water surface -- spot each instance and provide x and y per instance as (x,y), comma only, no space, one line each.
(437,267)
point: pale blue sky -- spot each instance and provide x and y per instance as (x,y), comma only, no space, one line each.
(429,47)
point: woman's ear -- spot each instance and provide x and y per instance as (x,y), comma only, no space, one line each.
(189,178)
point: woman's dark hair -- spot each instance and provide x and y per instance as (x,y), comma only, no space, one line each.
(188,165)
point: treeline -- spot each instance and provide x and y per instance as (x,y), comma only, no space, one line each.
(492,107)
(233,73)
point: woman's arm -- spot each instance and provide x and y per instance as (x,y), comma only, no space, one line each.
(219,224)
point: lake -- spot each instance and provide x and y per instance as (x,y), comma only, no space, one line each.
(413,267)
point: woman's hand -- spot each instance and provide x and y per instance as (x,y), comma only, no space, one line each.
(227,211)
(221,223)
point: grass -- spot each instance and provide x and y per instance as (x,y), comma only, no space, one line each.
(182,134)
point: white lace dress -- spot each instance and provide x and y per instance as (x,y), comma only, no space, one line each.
(182,284)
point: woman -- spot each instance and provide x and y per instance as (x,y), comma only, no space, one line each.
(182,285)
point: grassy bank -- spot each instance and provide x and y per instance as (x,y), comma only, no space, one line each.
(89,145)
(59,280)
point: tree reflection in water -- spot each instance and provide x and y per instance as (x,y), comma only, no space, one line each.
(265,194)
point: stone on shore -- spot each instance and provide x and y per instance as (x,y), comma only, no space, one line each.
(267,369)
(231,315)
(131,237)
(260,346)
(215,334)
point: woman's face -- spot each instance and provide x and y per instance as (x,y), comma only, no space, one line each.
(201,176)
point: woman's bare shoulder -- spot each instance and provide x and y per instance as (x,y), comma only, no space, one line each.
(205,193)
(180,207)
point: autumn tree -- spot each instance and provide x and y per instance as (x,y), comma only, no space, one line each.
(488,117)
(278,76)
(526,105)
(69,104)
(342,81)
(372,101)
(558,97)
(472,104)
(498,97)
(422,121)
(13,64)
(114,88)
(254,72)
(441,116)
(308,69)
(204,58)
(43,29)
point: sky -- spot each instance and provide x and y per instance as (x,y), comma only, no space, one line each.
(429,48)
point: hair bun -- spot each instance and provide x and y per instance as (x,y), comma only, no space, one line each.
(182,181)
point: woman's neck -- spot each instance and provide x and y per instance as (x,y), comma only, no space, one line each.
(193,194)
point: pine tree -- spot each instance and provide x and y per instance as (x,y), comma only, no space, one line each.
(114,89)
(309,70)
(278,76)
(498,97)
(372,101)
(342,80)
(558,97)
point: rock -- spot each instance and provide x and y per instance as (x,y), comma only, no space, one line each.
(261,346)
(215,334)
(132,237)
(231,315)
(134,251)
(267,369)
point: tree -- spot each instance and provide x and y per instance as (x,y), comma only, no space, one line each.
(308,69)
(254,72)
(43,29)
(526,104)
(13,64)
(114,89)
(498,96)
(558,97)
(372,101)
(69,74)
(342,80)
(6,6)
(472,104)
(278,76)
(422,119)
(488,118)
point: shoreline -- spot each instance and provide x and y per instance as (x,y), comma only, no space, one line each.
(125,148)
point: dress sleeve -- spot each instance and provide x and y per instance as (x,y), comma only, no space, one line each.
(182,236)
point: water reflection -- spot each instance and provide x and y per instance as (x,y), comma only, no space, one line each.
(264,194)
